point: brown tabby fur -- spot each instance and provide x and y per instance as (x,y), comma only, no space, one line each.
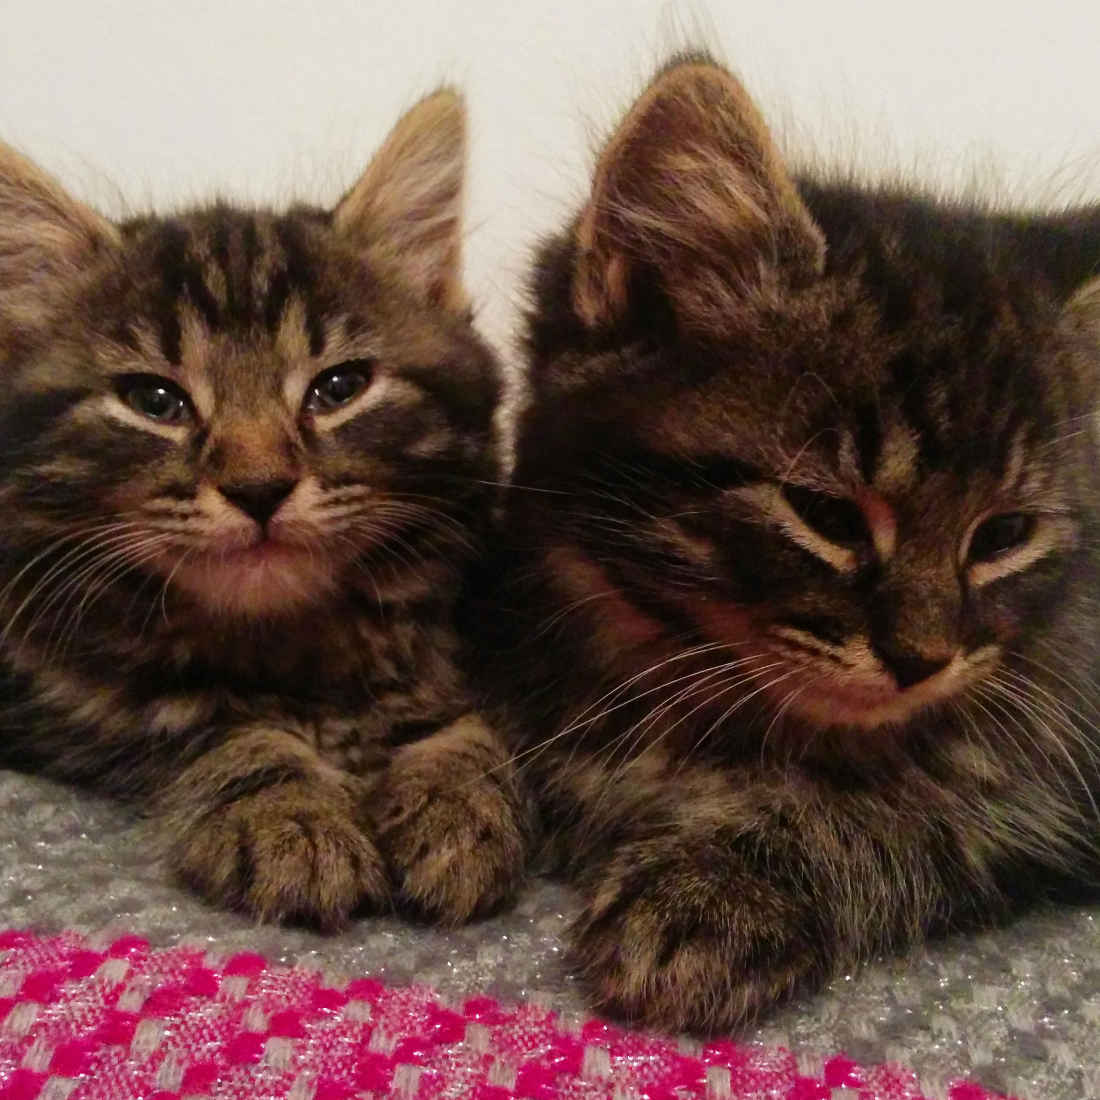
(800,611)
(240,617)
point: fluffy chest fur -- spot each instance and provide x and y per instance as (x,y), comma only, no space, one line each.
(353,681)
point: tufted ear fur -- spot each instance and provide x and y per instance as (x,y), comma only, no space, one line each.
(46,239)
(1083,309)
(1080,325)
(407,205)
(691,188)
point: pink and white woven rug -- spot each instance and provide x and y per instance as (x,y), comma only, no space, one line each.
(88,1020)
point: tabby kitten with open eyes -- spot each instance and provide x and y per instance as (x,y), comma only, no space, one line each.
(802,610)
(245,458)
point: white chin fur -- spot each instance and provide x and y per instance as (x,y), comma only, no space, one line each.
(256,585)
(826,711)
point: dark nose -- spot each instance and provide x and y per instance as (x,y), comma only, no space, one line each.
(258,499)
(910,668)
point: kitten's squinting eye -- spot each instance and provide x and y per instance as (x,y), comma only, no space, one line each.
(335,387)
(835,518)
(154,397)
(999,534)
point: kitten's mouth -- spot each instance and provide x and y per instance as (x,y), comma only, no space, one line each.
(865,705)
(838,705)
(264,552)
(268,576)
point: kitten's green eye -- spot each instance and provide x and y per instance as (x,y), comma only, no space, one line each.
(999,534)
(835,518)
(157,398)
(337,386)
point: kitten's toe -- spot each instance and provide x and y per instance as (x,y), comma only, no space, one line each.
(294,853)
(457,850)
(683,954)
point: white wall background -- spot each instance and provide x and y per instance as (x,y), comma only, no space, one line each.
(163,101)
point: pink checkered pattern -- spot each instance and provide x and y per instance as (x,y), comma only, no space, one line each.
(119,1020)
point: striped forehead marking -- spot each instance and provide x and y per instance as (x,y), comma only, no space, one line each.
(239,273)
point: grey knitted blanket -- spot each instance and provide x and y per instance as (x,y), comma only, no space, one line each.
(1017,1009)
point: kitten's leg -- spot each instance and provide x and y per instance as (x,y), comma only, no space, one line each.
(262,823)
(453,822)
(707,902)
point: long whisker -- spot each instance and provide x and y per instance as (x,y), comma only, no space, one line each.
(121,564)
(737,704)
(622,772)
(1033,686)
(580,721)
(1024,837)
(1075,688)
(84,533)
(586,718)
(722,688)
(1031,708)
(168,584)
(72,556)
(638,731)
(785,705)
(106,551)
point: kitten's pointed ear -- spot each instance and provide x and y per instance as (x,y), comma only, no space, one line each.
(46,237)
(407,206)
(1080,323)
(691,188)
(1083,309)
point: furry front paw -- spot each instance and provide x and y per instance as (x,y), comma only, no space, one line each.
(289,853)
(689,949)
(455,846)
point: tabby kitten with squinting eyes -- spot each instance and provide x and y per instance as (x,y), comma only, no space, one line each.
(245,458)
(802,611)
